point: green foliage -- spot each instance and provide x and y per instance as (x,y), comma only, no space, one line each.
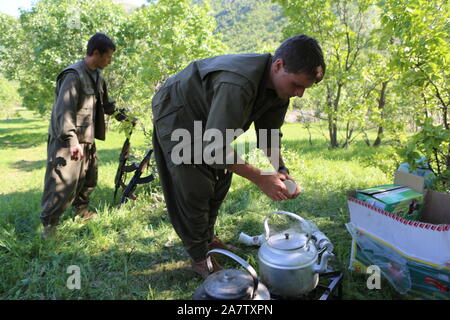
(371,63)
(51,36)
(153,42)
(346,32)
(159,40)
(387,161)
(9,98)
(10,35)
(418,33)
(247,26)
(433,142)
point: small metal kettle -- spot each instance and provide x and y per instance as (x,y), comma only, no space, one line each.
(289,260)
(232,284)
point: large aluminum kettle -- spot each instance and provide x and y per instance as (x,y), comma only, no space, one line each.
(232,284)
(289,261)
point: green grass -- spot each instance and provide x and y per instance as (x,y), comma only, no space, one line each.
(132,252)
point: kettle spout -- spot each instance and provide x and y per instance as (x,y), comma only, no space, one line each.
(323,262)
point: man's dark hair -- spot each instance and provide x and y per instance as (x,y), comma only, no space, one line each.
(301,54)
(100,42)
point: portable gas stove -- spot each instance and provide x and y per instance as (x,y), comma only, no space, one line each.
(328,288)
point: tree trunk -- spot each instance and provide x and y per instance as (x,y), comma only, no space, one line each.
(366,138)
(377,141)
(333,132)
(348,135)
(381,104)
(332,118)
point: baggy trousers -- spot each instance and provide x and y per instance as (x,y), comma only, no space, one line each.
(67,181)
(193,194)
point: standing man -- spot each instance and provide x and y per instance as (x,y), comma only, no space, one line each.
(78,118)
(216,95)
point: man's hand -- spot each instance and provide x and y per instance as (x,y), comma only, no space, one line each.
(76,152)
(272,185)
(297,188)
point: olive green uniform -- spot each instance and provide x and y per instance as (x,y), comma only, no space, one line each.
(225,92)
(78,117)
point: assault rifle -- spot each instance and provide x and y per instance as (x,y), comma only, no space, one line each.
(129,189)
(138,170)
(123,167)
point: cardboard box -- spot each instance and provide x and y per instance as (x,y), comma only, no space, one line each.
(402,201)
(421,249)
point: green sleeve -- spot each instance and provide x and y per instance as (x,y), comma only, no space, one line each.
(65,110)
(230,109)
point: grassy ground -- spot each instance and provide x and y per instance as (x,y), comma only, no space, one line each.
(132,252)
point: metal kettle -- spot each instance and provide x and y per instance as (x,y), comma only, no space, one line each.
(232,284)
(289,261)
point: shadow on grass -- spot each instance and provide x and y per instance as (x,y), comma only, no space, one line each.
(21,211)
(10,131)
(132,268)
(20,121)
(36,136)
(23,140)
(115,274)
(29,165)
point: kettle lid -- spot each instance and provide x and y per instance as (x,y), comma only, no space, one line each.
(288,240)
(229,284)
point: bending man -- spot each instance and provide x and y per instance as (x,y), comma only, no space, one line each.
(209,98)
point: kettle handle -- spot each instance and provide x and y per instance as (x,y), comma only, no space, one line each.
(242,262)
(290,214)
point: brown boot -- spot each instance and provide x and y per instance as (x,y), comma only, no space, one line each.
(85,214)
(216,243)
(201,267)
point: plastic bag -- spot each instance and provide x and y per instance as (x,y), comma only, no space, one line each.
(393,266)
